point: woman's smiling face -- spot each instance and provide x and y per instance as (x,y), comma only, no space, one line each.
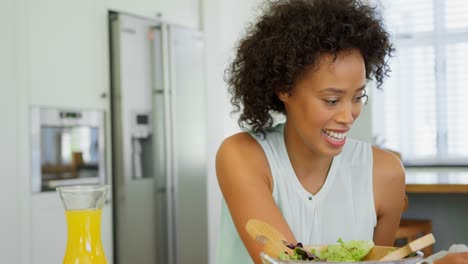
(325,102)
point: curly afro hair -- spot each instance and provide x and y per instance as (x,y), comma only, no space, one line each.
(288,39)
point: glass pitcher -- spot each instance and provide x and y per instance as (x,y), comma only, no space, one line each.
(83,209)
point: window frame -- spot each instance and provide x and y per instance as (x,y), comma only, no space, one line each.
(439,39)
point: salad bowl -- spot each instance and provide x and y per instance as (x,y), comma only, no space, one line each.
(409,260)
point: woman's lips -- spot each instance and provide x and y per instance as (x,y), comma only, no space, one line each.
(335,138)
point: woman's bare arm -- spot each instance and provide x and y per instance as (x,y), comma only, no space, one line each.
(245,181)
(389,195)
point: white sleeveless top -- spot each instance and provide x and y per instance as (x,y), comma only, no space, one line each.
(343,208)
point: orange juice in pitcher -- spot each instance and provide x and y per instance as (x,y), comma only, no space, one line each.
(83,209)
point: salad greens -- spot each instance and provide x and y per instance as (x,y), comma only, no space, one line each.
(299,253)
(351,251)
(354,250)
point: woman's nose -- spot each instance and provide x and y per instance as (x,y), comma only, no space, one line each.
(347,114)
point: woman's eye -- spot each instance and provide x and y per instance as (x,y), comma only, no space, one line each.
(331,101)
(361,98)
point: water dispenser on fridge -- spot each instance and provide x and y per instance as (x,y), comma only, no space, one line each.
(141,137)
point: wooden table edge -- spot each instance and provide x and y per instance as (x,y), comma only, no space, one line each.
(437,188)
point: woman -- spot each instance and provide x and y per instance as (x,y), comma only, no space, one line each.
(310,61)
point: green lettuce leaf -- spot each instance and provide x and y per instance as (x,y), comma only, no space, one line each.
(351,251)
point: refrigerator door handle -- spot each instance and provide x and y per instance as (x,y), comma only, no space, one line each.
(171,167)
(162,110)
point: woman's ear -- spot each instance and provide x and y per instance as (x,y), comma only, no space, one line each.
(283,96)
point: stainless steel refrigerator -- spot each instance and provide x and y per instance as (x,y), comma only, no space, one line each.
(158,142)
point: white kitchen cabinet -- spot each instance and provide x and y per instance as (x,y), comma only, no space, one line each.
(67,53)
(68,46)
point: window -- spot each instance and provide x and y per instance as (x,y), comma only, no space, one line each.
(423,110)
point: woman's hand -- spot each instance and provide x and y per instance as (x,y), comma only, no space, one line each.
(453,258)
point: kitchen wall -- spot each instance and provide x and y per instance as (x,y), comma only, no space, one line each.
(54,53)
(215,105)
(9,204)
(222,32)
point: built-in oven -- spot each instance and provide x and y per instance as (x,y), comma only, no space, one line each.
(67,148)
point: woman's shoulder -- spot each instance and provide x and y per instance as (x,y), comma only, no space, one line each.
(241,162)
(386,161)
(245,141)
(388,169)
(239,142)
(241,150)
